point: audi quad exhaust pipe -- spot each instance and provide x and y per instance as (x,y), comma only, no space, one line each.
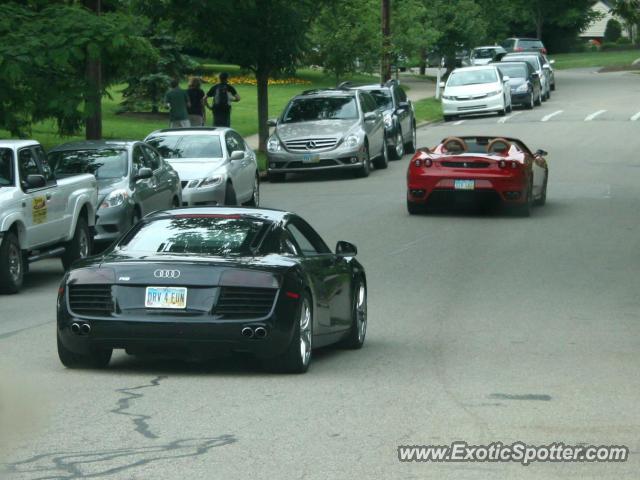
(75,328)
(260,332)
(85,328)
(247,332)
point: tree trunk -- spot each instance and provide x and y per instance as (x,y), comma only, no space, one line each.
(262,77)
(93,102)
(539,20)
(423,61)
(385,64)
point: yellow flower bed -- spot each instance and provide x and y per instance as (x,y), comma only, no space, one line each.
(249,80)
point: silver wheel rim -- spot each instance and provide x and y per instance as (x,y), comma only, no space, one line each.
(256,193)
(83,244)
(305,333)
(415,138)
(361,313)
(399,145)
(15,262)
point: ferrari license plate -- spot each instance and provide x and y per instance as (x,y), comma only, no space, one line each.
(310,158)
(165,297)
(464,184)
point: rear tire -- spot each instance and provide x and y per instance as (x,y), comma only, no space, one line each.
(365,169)
(297,357)
(254,201)
(416,208)
(543,196)
(80,245)
(230,195)
(532,102)
(397,151)
(410,147)
(12,264)
(382,161)
(524,210)
(97,358)
(449,118)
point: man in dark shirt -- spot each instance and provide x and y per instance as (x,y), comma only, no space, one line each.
(222,94)
(196,98)
(178,102)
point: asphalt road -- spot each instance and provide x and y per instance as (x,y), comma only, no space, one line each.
(482,327)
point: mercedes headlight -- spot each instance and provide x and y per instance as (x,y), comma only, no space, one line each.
(273,144)
(496,92)
(211,181)
(522,88)
(115,199)
(388,120)
(351,141)
(448,97)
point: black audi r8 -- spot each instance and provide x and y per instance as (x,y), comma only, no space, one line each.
(210,281)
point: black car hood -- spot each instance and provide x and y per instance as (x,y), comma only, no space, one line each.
(121,269)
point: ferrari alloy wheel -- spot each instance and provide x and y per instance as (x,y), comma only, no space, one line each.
(358,331)
(398,150)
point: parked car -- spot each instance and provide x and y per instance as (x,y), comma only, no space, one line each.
(398,114)
(328,129)
(548,65)
(485,55)
(536,60)
(462,58)
(520,44)
(41,216)
(475,90)
(524,82)
(475,168)
(216,166)
(211,281)
(133,180)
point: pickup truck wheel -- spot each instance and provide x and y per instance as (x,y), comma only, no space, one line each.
(11,264)
(79,246)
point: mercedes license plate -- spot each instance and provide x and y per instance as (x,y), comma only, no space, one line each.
(165,297)
(310,158)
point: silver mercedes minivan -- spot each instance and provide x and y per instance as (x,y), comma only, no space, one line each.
(329,129)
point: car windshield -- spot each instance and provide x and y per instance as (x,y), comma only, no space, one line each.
(382,97)
(484,53)
(327,108)
(472,77)
(6,167)
(187,146)
(513,71)
(531,60)
(103,163)
(192,234)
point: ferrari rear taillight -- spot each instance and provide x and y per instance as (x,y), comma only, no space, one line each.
(426,162)
(506,164)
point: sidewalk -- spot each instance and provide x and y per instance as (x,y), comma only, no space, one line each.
(418,90)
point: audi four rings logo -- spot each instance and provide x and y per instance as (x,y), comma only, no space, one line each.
(167,274)
(311,145)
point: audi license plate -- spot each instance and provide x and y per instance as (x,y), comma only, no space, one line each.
(310,158)
(464,184)
(165,297)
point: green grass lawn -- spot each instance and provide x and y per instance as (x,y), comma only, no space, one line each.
(243,117)
(428,110)
(595,59)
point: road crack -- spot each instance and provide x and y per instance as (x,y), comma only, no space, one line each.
(139,419)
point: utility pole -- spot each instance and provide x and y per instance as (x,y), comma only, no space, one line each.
(385,64)
(93,73)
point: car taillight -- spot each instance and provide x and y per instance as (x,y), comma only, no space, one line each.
(419,162)
(505,164)
(518,49)
(544,50)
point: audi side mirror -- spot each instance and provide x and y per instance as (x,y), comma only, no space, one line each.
(237,155)
(272,122)
(36,181)
(346,249)
(144,173)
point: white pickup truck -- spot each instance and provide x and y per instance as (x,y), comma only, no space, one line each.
(40,217)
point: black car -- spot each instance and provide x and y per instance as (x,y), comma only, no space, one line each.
(399,117)
(524,82)
(211,281)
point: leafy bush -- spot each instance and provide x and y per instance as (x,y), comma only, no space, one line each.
(613,31)
(623,41)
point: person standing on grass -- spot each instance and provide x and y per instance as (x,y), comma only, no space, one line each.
(178,102)
(196,98)
(222,94)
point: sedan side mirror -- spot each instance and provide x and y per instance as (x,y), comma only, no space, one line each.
(441,85)
(552,62)
(237,155)
(272,122)
(535,75)
(144,173)
(546,66)
(36,181)
(506,79)
(370,116)
(346,249)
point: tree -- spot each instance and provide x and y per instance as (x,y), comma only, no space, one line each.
(44,49)
(412,32)
(264,36)
(629,11)
(613,30)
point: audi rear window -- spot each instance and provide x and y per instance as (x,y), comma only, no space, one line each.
(208,235)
